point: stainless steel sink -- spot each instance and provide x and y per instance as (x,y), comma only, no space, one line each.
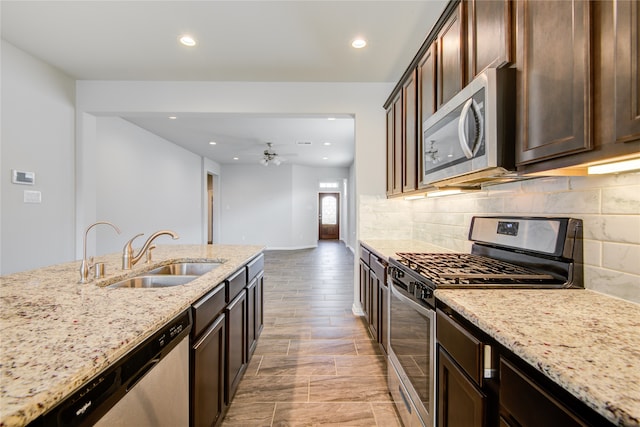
(185,268)
(154,281)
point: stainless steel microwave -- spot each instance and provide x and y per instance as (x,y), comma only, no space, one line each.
(470,139)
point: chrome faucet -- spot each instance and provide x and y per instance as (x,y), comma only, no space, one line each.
(87,265)
(129,259)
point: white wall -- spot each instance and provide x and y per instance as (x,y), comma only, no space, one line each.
(145,184)
(362,100)
(37,136)
(608,205)
(275,206)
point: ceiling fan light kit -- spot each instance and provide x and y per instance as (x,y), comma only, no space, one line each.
(270,156)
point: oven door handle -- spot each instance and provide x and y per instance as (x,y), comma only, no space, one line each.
(430,313)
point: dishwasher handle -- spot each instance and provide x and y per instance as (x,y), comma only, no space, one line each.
(144,371)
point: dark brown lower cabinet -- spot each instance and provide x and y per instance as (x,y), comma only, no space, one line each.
(236,353)
(383,331)
(524,403)
(460,402)
(374,310)
(208,403)
(255,319)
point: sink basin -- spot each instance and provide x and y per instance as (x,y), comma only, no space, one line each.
(185,268)
(154,281)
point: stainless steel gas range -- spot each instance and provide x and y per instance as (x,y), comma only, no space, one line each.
(507,252)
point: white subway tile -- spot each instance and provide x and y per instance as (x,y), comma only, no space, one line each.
(621,257)
(621,200)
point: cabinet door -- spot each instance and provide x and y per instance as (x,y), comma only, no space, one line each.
(255,318)
(208,376)
(252,338)
(554,85)
(488,35)
(236,313)
(390,135)
(460,402)
(373,304)
(410,130)
(450,63)
(627,69)
(524,403)
(426,99)
(364,288)
(397,144)
(383,316)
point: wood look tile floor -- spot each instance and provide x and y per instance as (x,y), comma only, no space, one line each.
(315,363)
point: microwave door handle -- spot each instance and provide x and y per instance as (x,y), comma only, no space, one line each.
(462,135)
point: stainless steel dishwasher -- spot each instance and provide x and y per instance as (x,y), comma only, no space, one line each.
(147,387)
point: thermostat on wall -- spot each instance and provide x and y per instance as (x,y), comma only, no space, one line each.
(21,177)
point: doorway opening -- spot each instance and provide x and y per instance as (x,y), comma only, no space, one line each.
(329,216)
(210,216)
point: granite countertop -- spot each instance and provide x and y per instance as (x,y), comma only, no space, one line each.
(388,248)
(56,334)
(586,342)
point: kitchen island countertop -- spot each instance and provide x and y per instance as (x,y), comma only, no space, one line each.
(56,334)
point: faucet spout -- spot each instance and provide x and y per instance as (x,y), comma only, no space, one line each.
(129,259)
(86,265)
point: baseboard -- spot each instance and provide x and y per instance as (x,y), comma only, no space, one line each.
(292,248)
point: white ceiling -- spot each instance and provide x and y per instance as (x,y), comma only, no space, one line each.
(262,41)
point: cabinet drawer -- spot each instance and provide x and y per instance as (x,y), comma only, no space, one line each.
(207,308)
(255,267)
(465,349)
(236,283)
(526,403)
(365,255)
(379,269)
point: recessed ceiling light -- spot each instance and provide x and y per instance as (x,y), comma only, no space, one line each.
(235,158)
(326,143)
(212,143)
(172,117)
(325,158)
(331,118)
(359,43)
(187,40)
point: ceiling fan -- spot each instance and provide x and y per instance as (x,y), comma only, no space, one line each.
(270,156)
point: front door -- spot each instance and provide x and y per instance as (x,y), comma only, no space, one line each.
(329,216)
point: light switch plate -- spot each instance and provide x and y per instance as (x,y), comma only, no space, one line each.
(32,196)
(23,177)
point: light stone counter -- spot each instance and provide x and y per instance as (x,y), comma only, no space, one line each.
(56,334)
(388,248)
(586,342)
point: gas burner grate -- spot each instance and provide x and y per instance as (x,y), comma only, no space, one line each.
(444,269)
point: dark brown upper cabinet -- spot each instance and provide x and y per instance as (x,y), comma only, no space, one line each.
(617,80)
(489,37)
(604,69)
(555,82)
(426,71)
(627,71)
(450,77)
(410,133)
(394,146)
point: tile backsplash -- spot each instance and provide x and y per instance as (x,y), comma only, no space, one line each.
(609,206)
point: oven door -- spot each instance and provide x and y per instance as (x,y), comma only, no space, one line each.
(412,356)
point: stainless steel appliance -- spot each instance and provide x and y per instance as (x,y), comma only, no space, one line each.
(507,252)
(147,387)
(469,140)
